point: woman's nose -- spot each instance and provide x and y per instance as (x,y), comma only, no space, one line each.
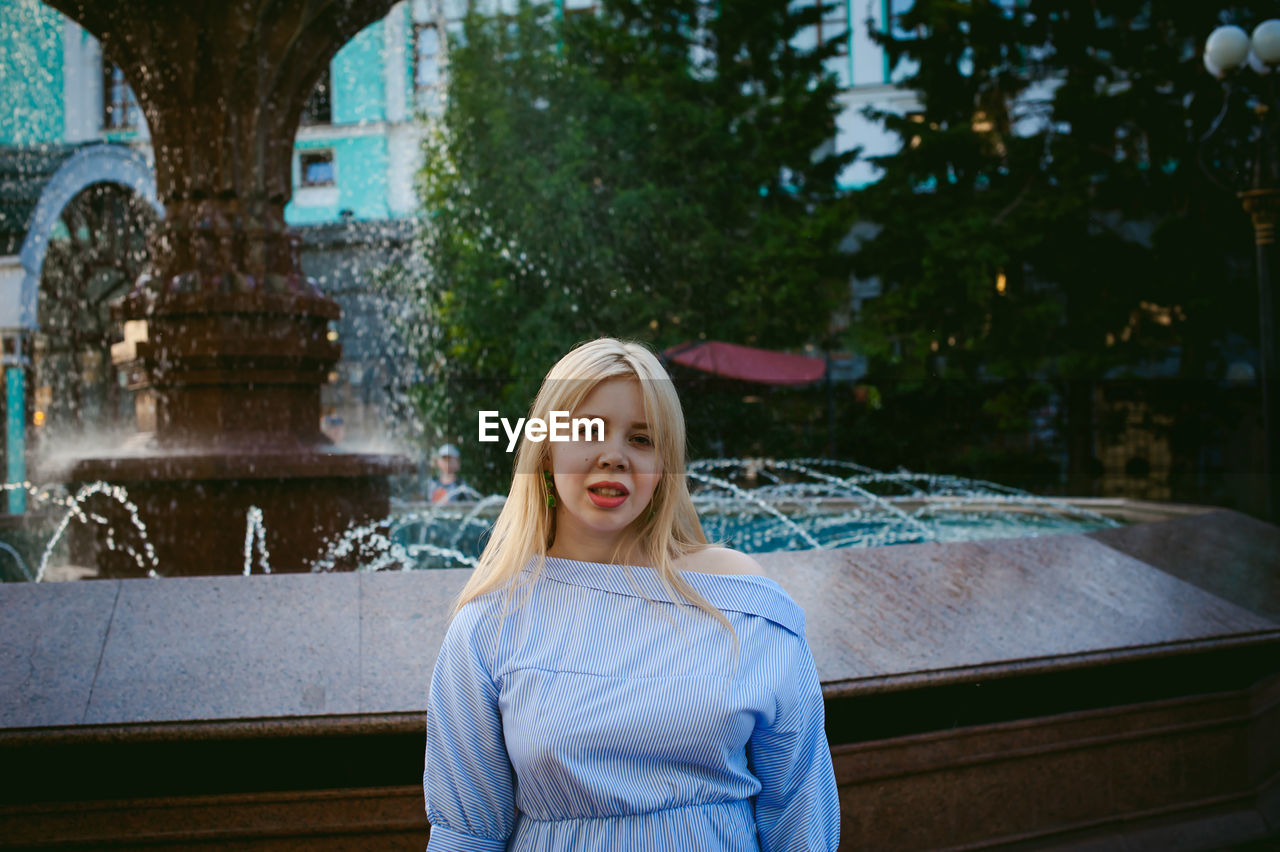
(611,458)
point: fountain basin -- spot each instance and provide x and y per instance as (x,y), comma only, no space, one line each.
(243,479)
(195,505)
(1026,691)
(777,524)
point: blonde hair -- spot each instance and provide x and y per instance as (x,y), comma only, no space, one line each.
(525,528)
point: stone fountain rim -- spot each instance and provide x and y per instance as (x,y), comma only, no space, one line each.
(1128,510)
(230,463)
(408,721)
(145,305)
(897,681)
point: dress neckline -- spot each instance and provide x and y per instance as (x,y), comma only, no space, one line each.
(746,593)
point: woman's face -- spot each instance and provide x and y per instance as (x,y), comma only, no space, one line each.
(602,486)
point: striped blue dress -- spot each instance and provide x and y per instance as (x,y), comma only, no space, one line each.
(604,715)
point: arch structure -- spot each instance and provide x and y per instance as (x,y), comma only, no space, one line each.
(92,164)
(100,163)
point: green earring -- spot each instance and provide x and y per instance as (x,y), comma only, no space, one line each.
(551,486)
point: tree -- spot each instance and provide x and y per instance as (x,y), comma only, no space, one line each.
(654,172)
(1046,223)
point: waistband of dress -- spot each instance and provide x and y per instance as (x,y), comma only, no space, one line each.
(734,805)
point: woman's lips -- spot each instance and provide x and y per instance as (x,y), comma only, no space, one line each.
(608,495)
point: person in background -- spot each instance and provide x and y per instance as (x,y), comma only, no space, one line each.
(331,426)
(446,486)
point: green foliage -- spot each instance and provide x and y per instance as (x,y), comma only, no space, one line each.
(1056,146)
(648,173)
(1058,152)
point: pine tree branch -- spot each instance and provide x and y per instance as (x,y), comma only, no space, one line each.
(1013,205)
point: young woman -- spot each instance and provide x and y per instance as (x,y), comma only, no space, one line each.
(610,681)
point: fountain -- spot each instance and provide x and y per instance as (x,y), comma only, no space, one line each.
(754,505)
(768,505)
(235,347)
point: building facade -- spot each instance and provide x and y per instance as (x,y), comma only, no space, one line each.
(77,192)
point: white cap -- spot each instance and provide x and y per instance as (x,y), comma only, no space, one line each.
(448,450)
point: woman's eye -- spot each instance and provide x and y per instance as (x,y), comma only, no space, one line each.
(643,440)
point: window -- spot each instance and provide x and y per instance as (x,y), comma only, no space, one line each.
(119,106)
(834,25)
(426,56)
(831,28)
(579,7)
(319,106)
(894,11)
(316,168)
(897,9)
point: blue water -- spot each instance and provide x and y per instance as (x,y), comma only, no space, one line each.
(767,505)
(754,530)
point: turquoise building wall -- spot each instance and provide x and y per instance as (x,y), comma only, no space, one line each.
(361,158)
(30,73)
(34,111)
(360,166)
(358,91)
(374,156)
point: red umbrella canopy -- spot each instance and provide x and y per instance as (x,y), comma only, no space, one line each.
(748,363)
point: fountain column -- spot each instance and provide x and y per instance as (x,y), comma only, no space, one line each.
(236,346)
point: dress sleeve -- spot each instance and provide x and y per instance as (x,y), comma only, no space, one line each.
(797,808)
(468,782)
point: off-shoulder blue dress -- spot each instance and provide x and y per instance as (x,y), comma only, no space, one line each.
(593,718)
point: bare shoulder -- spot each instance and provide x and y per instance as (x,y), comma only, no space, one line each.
(719,560)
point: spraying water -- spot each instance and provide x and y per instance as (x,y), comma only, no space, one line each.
(755,505)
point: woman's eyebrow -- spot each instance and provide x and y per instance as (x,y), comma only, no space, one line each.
(587,415)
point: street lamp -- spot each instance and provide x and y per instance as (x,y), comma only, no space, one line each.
(1228,52)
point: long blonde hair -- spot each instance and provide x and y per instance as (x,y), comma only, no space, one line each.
(526,526)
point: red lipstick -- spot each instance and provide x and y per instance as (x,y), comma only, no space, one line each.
(614,494)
